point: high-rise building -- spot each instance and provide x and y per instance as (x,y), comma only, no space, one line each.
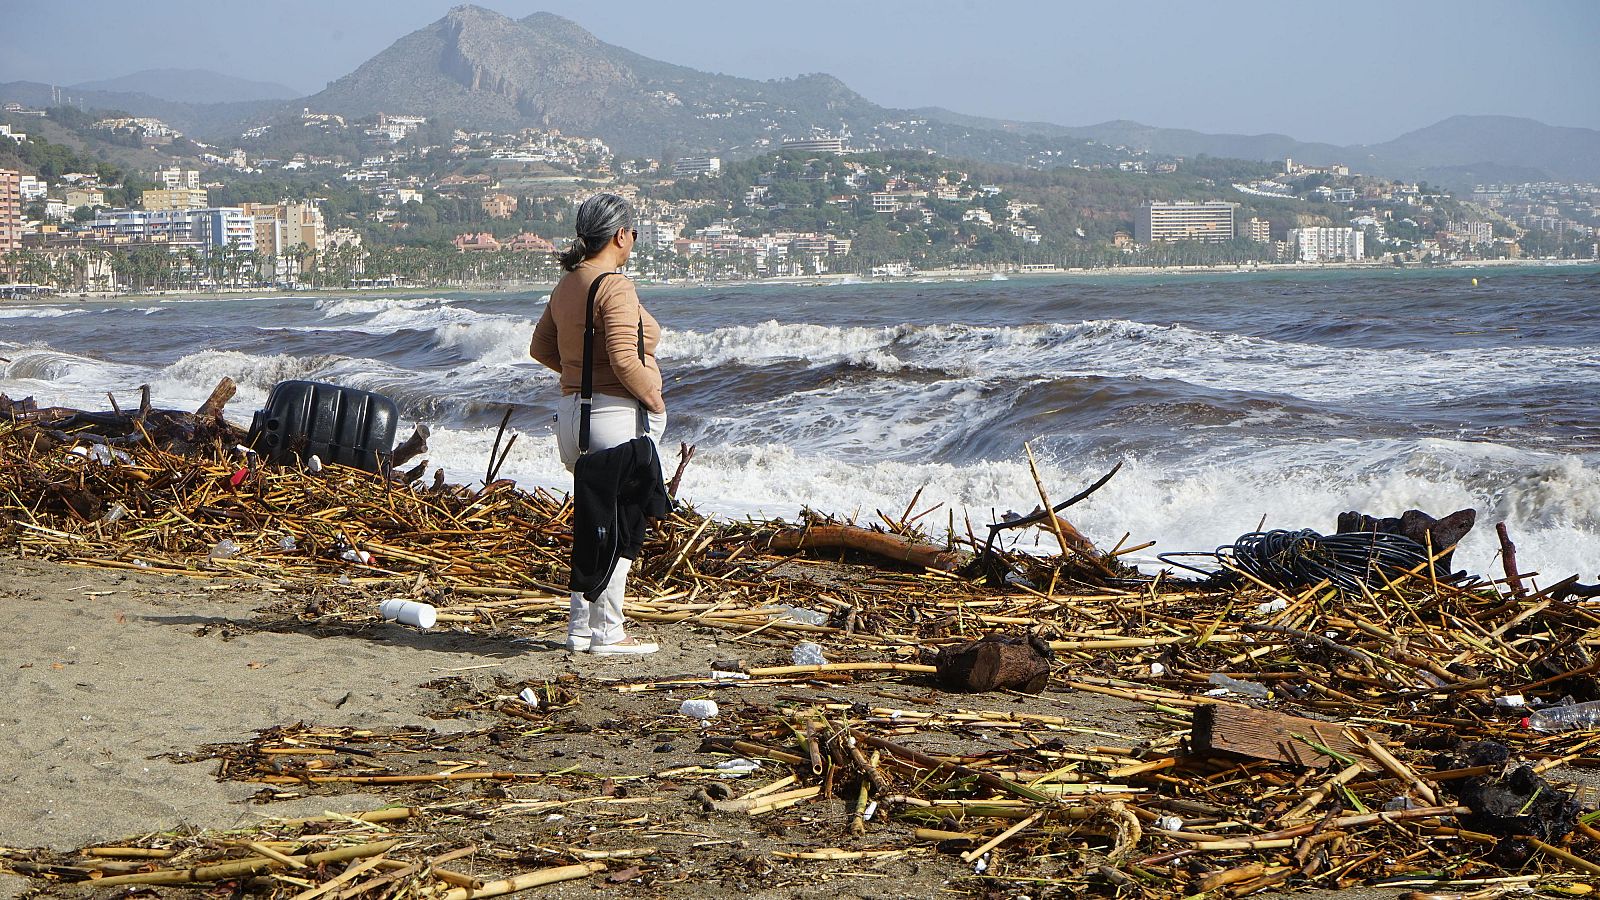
(10,216)
(301,222)
(1258,230)
(1327,244)
(1473,232)
(1185,220)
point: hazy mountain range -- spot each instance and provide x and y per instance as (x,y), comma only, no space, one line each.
(197,86)
(478,69)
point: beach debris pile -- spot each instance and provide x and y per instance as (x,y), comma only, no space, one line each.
(1415,727)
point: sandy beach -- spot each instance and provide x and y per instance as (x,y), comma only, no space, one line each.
(106,673)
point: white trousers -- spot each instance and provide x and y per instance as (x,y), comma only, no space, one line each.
(612,421)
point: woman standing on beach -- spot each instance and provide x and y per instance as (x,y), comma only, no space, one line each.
(626,381)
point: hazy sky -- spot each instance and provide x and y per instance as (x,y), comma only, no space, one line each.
(1347,72)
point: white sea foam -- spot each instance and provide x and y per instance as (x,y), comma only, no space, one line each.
(363,306)
(1551,503)
(1122,349)
(773,341)
(38,312)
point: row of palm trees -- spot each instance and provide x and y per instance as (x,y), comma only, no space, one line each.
(157,268)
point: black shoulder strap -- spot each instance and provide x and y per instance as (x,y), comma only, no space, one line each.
(586,390)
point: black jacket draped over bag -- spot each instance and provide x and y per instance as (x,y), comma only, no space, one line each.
(615,491)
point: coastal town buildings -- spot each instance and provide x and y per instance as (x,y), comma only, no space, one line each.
(1185,220)
(1319,244)
(10,216)
(1258,230)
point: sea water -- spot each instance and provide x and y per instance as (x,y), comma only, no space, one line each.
(1231,400)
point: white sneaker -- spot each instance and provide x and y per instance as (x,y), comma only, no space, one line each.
(577,643)
(625,647)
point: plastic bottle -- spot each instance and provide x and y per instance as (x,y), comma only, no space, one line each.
(1245,688)
(1572,717)
(699,709)
(409,612)
(805,616)
(117,512)
(808,654)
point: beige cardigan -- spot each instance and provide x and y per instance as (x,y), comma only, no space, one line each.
(558,338)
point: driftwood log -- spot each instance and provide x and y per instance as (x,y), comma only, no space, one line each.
(411,448)
(1264,734)
(995,662)
(878,543)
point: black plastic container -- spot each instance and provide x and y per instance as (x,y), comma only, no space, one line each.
(335,424)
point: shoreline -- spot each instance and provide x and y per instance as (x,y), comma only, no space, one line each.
(841,280)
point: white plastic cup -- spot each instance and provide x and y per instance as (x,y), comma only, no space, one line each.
(409,612)
(699,709)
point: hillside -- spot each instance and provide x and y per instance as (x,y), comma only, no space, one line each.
(189,86)
(479,69)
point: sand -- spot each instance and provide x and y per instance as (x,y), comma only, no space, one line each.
(102,673)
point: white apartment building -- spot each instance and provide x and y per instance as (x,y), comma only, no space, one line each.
(33,190)
(1473,232)
(658,234)
(1326,244)
(689,166)
(814,145)
(175,177)
(1185,220)
(200,228)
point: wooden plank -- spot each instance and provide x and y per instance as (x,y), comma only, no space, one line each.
(1264,734)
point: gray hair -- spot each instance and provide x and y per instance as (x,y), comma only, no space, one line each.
(599,219)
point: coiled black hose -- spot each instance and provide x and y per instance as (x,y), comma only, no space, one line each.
(1351,562)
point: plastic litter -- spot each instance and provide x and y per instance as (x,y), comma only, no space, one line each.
(808,654)
(1157,669)
(719,675)
(738,766)
(805,616)
(286,542)
(224,549)
(314,464)
(1272,606)
(1571,717)
(1169,823)
(529,697)
(1399,803)
(409,612)
(116,513)
(1243,688)
(1510,701)
(356,556)
(699,709)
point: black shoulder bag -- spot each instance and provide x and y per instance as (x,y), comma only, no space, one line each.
(586,388)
